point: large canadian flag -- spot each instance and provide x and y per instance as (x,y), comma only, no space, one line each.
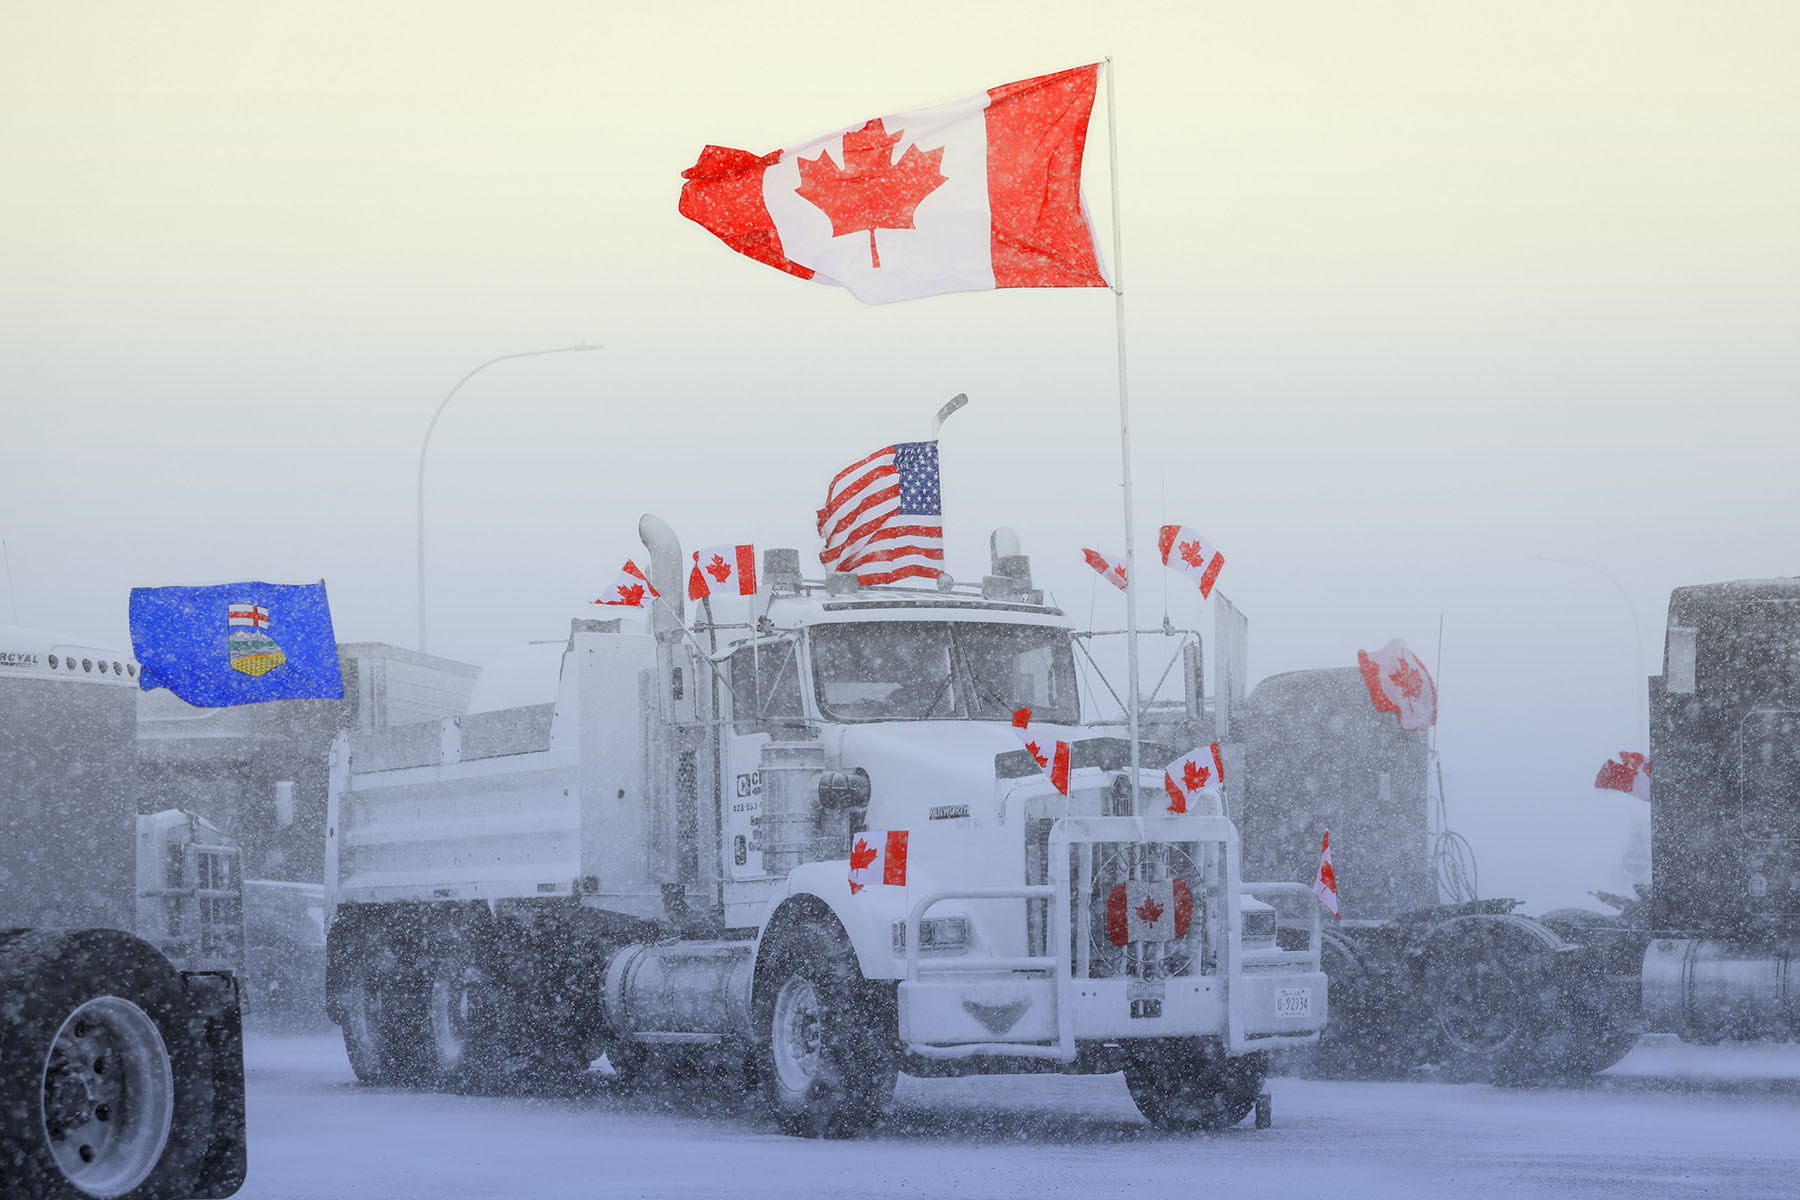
(1049,753)
(980,193)
(1398,683)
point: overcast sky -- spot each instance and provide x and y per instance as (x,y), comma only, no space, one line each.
(1418,292)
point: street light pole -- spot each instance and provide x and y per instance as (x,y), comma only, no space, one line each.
(1637,633)
(426,445)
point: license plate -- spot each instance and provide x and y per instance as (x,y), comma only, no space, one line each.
(1293,1002)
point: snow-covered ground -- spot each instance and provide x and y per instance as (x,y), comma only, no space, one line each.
(1671,1120)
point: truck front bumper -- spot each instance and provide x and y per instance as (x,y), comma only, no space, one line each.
(1045,1005)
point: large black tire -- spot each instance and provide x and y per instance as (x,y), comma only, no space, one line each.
(106,1084)
(826,1052)
(464,1015)
(1190,1083)
(1504,1006)
(380,1015)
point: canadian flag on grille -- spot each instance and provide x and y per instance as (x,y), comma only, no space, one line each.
(1325,886)
(1111,569)
(1148,911)
(878,857)
(1630,772)
(630,589)
(723,569)
(979,193)
(1196,773)
(1398,683)
(1049,753)
(1192,555)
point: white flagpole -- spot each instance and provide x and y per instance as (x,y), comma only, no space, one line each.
(1131,578)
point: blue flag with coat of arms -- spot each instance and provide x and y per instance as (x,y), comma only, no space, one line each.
(236,643)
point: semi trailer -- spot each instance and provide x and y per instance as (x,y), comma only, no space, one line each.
(121,1052)
(1481,990)
(806,851)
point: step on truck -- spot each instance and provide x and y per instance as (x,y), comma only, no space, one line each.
(657,866)
(121,1043)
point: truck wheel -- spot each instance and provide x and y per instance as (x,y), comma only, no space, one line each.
(105,1079)
(1190,1083)
(380,1019)
(825,1037)
(461,1021)
(1488,983)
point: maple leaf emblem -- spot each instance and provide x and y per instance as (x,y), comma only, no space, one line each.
(1037,755)
(633,594)
(1149,912)
(1191,553)
(718,568)
(1194,776)
(871,191)
(1408,679)
(862,855)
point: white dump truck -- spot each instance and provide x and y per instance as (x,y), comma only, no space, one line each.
(658,866)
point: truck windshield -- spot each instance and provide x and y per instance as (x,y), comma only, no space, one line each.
(943,670)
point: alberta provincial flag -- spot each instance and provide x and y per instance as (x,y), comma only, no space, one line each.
(236,643)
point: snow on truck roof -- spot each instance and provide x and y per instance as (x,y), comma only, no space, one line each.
(43,654)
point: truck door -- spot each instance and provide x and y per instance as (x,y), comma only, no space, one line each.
(765,686)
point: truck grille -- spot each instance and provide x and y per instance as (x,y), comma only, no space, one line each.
(1104,874)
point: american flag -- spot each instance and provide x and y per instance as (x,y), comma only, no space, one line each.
(883,518)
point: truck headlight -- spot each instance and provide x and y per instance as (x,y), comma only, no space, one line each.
(937,935)
(1258,926)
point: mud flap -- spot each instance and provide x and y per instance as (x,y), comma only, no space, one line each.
(214,995)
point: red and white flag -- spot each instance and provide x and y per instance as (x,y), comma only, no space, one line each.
(1398,683)
(1325,886)
(972,195)
(1049,753)
(1148,911)
(1192,555)
(1111,569)
(883,517)
(253,615)
(1629,773)
(724,570)
(878,857)
(630,589)
(1197,773)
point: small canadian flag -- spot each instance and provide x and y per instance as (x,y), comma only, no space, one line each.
(1197,773)
(1111,569)
(1399,683)
(1192,555)
(1630,772)
(878,856)
(630,589)
(1325,886)
(1049,753)
(1149,911)
(723,569)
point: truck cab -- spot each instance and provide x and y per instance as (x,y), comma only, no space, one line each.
(717,782)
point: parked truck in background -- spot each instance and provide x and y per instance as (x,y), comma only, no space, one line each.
(121,1053)
(657,866)
(1484,991)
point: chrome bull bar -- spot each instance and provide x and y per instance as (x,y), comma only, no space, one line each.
(1060,965)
